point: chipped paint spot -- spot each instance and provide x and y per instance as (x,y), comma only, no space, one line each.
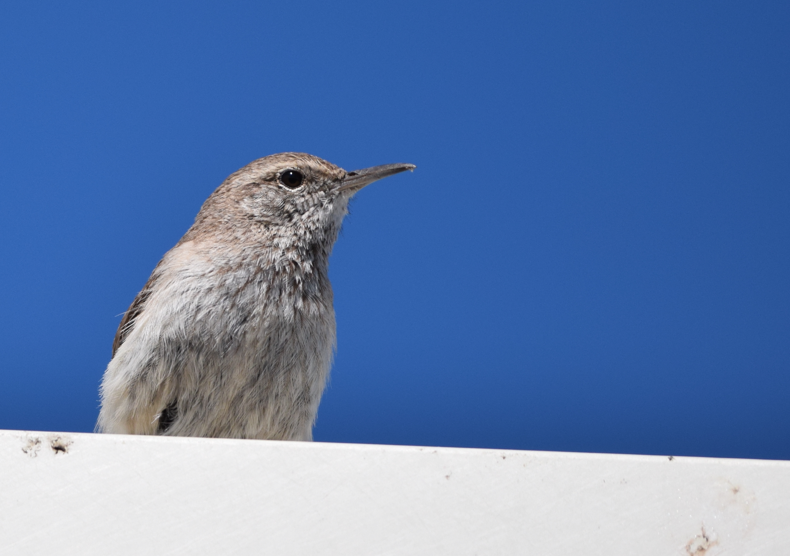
(31,446)
(699,545)
(60,444)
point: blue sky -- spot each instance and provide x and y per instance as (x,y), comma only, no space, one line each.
(592,255)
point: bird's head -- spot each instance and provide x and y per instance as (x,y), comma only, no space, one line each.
(294,196)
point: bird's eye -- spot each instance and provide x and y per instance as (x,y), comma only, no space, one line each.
(291,179)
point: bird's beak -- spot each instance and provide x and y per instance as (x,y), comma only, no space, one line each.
(356,180)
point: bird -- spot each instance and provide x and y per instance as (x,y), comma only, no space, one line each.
(233,335)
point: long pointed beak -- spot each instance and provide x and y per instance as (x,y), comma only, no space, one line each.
(356,180)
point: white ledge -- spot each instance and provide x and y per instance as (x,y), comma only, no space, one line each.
(64,493)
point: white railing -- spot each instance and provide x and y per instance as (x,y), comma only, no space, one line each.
(63,493)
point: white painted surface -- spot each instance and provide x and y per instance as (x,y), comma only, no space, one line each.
(66,493)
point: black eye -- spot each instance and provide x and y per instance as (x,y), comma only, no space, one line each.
(291,179)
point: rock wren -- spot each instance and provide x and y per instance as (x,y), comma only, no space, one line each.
(233,334)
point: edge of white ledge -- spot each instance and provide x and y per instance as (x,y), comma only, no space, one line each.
(89,494)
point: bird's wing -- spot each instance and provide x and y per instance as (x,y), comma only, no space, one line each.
(137,306)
